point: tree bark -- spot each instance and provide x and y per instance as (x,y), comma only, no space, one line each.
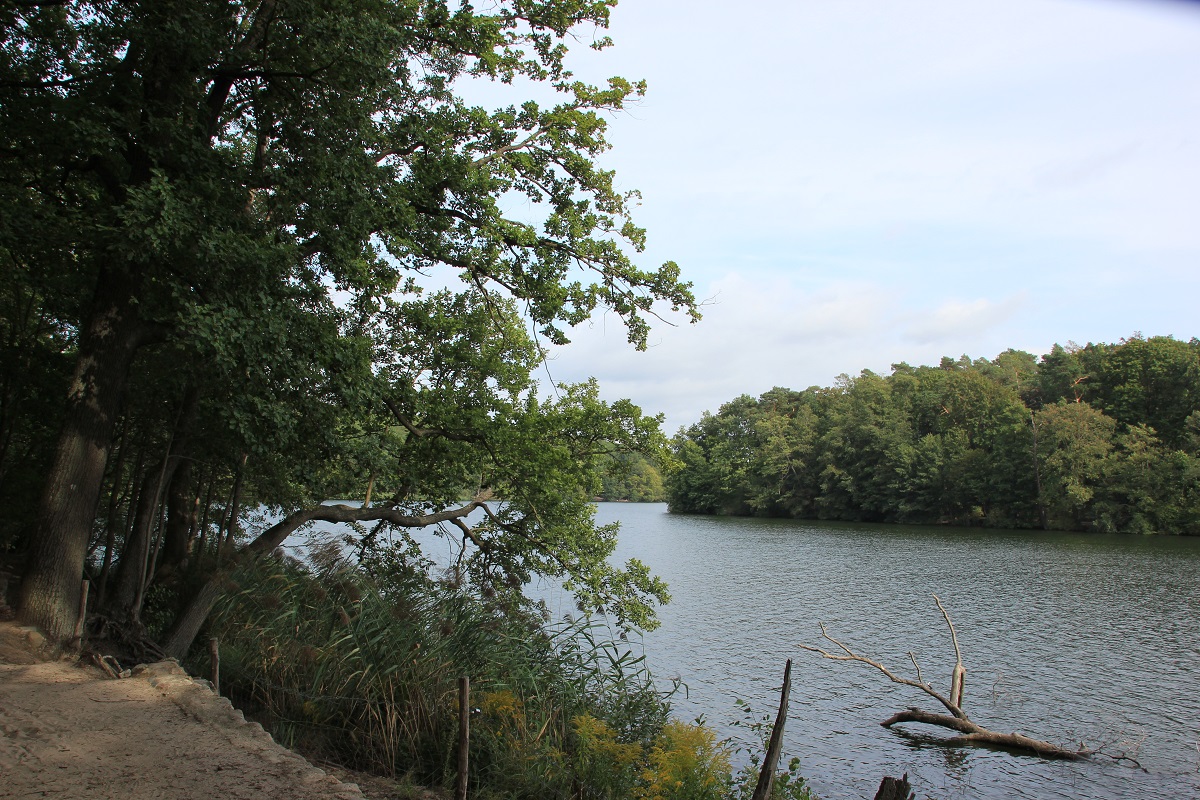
(49,596)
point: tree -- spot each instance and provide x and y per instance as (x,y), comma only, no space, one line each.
(716,461)
(863,445)
(630,476)
(1148,488)
(1153,382)
(1062,376)
(784,476)
(258,182)
(1071,444)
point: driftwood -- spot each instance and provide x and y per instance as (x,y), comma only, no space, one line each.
(766,777)
(970,732)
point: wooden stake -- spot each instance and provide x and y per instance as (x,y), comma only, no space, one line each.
(766,778)
(77,637)
(894,789)
(370,486)
(214,657)
(464,735)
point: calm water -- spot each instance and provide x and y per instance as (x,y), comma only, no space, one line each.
(1065,637)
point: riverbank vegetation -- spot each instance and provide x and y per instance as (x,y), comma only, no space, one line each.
(1104,437)
(357,660)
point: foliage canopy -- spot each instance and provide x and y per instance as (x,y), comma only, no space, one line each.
(263,250)
(1102,437)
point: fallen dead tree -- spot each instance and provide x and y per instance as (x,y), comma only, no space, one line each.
(970,732)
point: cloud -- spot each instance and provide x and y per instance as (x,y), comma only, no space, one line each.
(756,333)
(959,320)
(762,330)
(859,184)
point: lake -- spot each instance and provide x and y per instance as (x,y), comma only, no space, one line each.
(1066,637)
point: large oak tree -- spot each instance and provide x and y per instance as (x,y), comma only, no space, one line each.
(233,204)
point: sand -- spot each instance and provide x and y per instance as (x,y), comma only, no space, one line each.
(68,731)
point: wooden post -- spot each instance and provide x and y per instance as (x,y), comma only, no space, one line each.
(464,735)
(894,789)
(766,778)
(77,637)
(214,657)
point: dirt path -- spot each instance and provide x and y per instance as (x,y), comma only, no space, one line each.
(70,732)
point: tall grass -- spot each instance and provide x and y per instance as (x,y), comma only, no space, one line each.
(360,664)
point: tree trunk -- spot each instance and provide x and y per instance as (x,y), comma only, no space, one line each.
(131,501)
(137,545)
(181,504)
(957,719)
(49,596)
(122,493)
(766,777)
(973,734)
(191,619)
(201,547)
(235,500)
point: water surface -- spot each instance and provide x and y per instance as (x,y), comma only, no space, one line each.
(1067,637)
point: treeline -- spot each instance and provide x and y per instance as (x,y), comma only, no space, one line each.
(631,477)
(1104,437)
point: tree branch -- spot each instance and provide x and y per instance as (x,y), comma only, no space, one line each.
(225,78)
(971,732)
(188,624)
(958,675)
(850,655)
(509,148)
(975,734)
(428,433)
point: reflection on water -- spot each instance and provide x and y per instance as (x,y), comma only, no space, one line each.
(1067,637)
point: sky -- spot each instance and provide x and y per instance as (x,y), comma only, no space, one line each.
(858,183)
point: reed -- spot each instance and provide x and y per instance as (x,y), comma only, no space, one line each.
(358,664)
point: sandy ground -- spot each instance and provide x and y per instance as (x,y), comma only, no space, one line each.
(72,732)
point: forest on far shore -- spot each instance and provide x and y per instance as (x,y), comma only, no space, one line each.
(1104,437)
